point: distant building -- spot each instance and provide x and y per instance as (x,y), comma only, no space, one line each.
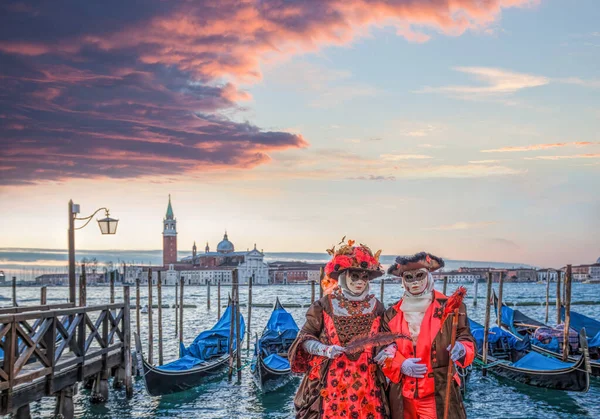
(586,272)
(294,272)
(521,275)
(52,279)
(545,274)
(458,276)
(2,277)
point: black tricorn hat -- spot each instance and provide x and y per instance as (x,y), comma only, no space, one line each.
(418,261)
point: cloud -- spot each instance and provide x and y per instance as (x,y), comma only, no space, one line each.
(483,161)
(398,157)
(576,156)
(129,91)
(431,146)
(461,225)
(537,147)
(494,81)
(373,177)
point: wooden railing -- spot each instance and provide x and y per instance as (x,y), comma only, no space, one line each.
(46,348)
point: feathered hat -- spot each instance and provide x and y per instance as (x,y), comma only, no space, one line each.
(348,256)
(418,261)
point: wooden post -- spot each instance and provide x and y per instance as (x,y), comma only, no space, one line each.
(238,336)
(445,285)
(43,295)
(250,281)
(231,331)
(150,325)
(321,276)
(127,341)
(568,280)
(219,298)
(208,295)
(547,295)
(14,291)
(176,308)
(475,286)
(82,287)
(382,290)
(181,310)
(137,305)
(486,325)
(558,302)
(112,287)
(500,288)
(312,291)
(160,334)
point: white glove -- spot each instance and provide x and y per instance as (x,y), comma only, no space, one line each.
(411,368)
(457,352)
(388,352)
(315,347)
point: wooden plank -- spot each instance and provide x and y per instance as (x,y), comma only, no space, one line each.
(30,376)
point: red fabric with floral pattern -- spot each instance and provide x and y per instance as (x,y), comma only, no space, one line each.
(350,390)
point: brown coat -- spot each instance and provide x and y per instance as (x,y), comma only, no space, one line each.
(308,397)
(438,361)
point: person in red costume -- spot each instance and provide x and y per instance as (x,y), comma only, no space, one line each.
(417,368)
(339,384)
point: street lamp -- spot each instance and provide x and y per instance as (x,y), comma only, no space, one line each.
(107,226)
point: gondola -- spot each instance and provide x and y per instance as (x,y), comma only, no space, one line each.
(204,357)
(270,365)
(520,325)
(513,359)
(592,329)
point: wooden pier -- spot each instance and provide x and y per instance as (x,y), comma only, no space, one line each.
(48,349)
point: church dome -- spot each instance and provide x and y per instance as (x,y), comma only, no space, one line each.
(598,261)
(225,246)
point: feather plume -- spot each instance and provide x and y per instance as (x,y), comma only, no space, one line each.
(454,302)
(364,342)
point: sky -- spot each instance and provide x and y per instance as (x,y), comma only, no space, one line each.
(466,128)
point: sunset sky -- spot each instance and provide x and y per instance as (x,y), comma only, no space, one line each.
(467,128)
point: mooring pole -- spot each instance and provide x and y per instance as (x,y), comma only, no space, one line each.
(500,288)
(382,290)
(176,308)
(160,334)
(137,305)
(558,302)
(127,341)
(208,295)
(568,280)
(231,331)
(321,276)
(219,298)
(238,335)
(43,295)
(547,295)
(181,310)
(150,325)
(445,285)
(250,281)
(475,286)
(486,325)
(14,291)
(312,291)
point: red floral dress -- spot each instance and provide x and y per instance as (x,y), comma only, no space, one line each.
(350,389)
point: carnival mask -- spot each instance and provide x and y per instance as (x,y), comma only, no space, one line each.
(356,281)
(415,282)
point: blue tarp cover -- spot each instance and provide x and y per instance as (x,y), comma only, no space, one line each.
(536,361)
(207,344)
(494,335)
(182,364)
(595,341)
(276,362)
(579,321)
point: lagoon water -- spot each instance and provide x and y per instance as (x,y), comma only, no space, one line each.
(488,397)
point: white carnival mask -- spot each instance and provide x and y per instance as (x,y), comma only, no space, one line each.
(415,282)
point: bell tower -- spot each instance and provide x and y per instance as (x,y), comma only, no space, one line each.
(169,236)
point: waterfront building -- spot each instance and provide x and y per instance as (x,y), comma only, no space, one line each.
(294,272)
(542,275)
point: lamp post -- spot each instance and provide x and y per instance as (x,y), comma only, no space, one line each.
(107,226)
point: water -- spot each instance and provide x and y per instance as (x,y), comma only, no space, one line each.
(488,397)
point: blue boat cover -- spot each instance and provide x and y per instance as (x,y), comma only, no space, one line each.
(595,341)
(539,362)
(579,321)
(182,364)
(276,362)
(207,344)
(494,335)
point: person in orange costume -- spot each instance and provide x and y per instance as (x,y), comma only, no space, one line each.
(418,367)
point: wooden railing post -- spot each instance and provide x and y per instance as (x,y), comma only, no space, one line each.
(127,341)
(50,342)
(10,348)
